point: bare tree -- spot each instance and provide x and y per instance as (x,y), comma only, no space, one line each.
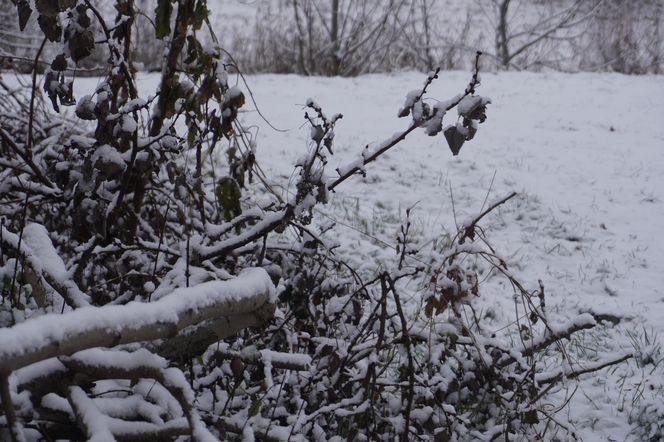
(626,37)
(530,33)
(332,37)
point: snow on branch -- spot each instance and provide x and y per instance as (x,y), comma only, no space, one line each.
(572,373)
(103,364)
(472,110)
(276,359)
(44,262)
(89,416)
(57,335)
(267,224)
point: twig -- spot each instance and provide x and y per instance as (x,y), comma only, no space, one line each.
(468,230)
(550,339)
(31,118)
(411,371)
(13,299)
(277,359)
(114,51)
(572,374)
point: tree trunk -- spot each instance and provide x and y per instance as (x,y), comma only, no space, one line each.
(502,46)
(335,60)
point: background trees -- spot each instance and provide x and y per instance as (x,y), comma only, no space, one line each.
(348,37)
(351,37)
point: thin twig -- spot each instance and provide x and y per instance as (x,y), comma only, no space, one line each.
(15,300)
(468,230)
(31,118)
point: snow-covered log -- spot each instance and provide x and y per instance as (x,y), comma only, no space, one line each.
(58,335)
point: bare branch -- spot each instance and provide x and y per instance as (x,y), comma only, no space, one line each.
(570,373)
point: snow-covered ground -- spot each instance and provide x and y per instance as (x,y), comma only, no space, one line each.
(584,151)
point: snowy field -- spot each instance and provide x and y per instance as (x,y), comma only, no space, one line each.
(584,151)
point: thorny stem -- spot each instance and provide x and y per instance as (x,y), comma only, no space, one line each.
(288,212)
(476,74)
(161,241)
(114,51)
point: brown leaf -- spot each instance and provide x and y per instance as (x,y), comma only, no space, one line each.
(24,12)
(49,25)
(50,8)
(59,63)
(454,139)
(81,45)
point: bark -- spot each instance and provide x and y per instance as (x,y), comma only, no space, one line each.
(502,43)
(334,39)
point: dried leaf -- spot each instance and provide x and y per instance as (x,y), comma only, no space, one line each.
(454,139)
(66,4)
(50,8)
(530,417)
(59,63)
(24,12)
(201,12)
(255,407)
(162,20)
(81,44)
(83,19)
(228,195)
(49,25)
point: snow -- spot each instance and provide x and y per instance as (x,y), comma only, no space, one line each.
(129,407)
(107,155)
(98,357)
(128,125)
(38,370)
(468,104)
(219,247)
(411,98)
(93,420)
(285,358)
